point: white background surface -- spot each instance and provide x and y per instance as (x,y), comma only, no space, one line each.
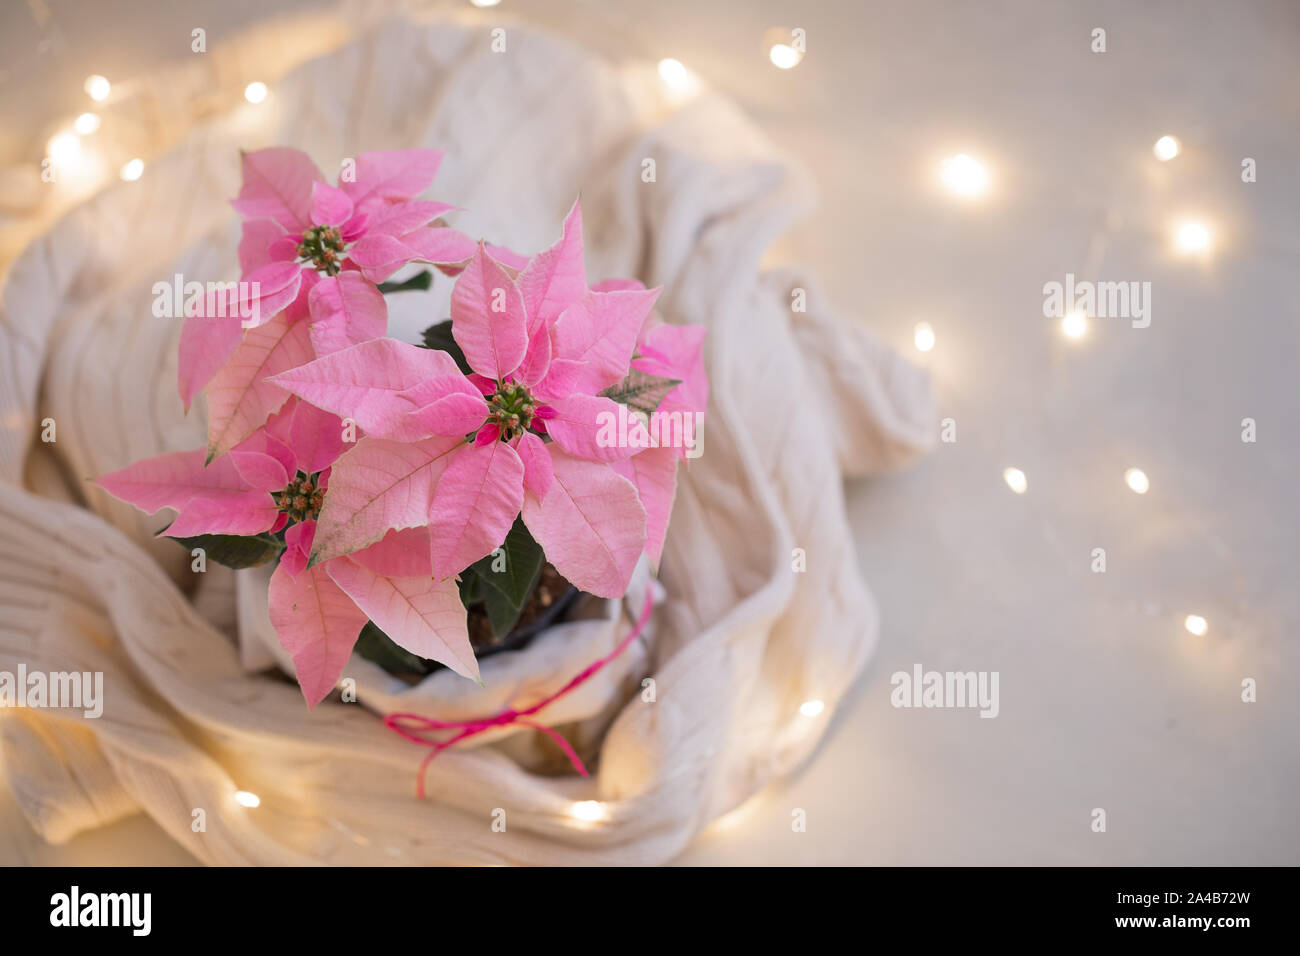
(1106,701)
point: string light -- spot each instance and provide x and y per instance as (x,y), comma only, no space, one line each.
(964,176)
(1166,148)
(97,87)
(133,170)
(1193,237)
(64,149)
(255,92)
(784,56)
(1197,625)
(1136,479)
(812,708)
(1016,480)
(588,811)
(923,336)
(86,123)
(674,73)
(248,799)
(1074,325)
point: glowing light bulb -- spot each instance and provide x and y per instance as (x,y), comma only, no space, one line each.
(1136,479)
(255,92)
(923,336)
(1016,480)
(248,799)
(1166,148)
(1197,625)
(86,123)
(588,811)
(1074,325)
(1193,237)
(133,170)
(674,73)
(64,149)
(784,56)
(964,176)
(485,3)
(811,708)
(97,87)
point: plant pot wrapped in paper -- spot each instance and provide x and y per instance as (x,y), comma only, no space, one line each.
(423,505)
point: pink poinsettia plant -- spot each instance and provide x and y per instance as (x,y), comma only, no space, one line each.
(398,485)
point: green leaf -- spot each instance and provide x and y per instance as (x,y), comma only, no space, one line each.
(236,550)
(471,587)
(505,591)
(502,615)
(378,648)
(439,337)
(641,391)
(417,283)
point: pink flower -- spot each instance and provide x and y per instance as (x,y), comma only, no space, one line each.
(316,250)
(465,456)
(246,492)
(369,221)
(274,481)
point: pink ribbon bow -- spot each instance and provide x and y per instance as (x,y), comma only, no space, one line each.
(414,727)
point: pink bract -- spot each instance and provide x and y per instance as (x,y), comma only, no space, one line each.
(464,455)
(315,252)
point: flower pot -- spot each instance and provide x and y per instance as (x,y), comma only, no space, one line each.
(533,663)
